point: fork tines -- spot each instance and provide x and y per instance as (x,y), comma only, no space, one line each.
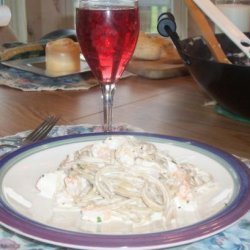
(42,130)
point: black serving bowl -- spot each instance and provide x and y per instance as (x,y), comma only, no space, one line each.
(228,84)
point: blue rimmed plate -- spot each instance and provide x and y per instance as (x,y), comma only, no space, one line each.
(27,215)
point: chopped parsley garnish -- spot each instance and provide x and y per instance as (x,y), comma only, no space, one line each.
(98,219)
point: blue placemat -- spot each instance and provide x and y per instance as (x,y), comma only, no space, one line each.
(27,81)
(236,237)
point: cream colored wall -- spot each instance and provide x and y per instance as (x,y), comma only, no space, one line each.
(18,22)
(44,16)
(34,18)
(6,35)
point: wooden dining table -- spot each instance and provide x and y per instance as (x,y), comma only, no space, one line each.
(175,107)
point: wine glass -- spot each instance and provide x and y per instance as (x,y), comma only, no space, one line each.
(107,31)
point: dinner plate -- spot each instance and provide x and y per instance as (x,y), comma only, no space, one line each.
(37,65)
(23,211)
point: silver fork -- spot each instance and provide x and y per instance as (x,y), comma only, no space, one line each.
(37,134)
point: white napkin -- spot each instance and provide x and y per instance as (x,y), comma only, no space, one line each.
(5,15)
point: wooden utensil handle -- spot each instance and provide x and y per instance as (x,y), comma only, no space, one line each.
(207,32)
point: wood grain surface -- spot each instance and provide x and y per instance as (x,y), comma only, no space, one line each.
(173,107)
(157,69)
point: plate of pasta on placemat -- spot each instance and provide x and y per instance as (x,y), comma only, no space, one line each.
(121,190)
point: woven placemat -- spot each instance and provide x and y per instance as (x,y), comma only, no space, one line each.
(28,81)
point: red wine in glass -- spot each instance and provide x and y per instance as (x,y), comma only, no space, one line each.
(107,34)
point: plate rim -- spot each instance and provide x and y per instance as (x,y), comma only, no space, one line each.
(214,224)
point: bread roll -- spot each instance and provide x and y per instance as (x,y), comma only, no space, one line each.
(155,47)
(146,48)
(62,57)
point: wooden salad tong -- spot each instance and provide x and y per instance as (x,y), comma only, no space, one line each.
(207,31)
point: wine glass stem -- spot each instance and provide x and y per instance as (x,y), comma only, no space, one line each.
(108,91)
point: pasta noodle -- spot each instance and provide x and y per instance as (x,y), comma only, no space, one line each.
(127,179)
